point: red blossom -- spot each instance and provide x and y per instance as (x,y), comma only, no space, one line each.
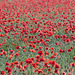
(57,66)
(2,72)
(72,64)
(28,61)
(40,52)
(17,54)
(18,47)
(9,70)
(40,71)
(12,65)
(7,63)
(16,62)
(63,73)
(69,50)
(74,57)
(11,51)
(56,71)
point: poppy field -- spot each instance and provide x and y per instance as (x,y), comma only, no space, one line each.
(37,37)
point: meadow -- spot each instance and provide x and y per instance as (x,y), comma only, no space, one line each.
(37,37)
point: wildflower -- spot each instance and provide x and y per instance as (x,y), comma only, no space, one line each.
(1,54)
(71,47)
(40,71)
(11,51)
(23,47)
(46,53)
(56,71)
(25,66)
(6,68)
(72,64)
(25,39)
(2,72)
(16,62)
(53,63)
(42,59)
(7,63)
(49,69)
(38,56)
(16,54)
(48,40)
(4,52)
(69,50)
(21,62)
(63,73)
(24,50)
(40,52)
(18,47)
(12,65)
(28,61)
(70,74)
(9,70)
(57,66)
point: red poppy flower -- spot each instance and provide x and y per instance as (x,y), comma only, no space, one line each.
(16,54)
(12,65)
(4,52)
(56,71)
(49,69)
(16,62)
(55,53)
(6,68)
(21,63)
(25,39)
(33,51)
(69,50)
(71,47)
(67,40)
(1,54)
(42,59)
(57,66)
(11,51)
(18,47)
(70,74)
(34,65)
(38,56)
(25,66)
(74,57)
(53,63)
(46,48)
(2,72)
(52,48)
(72,64)
(9,70)
(63,73)
(8,37)
(23,47)
(52,51)
(46,53)
(57,43)
(1,35)
(40,71)
(28,61)
(40,52)
(52,56)
(7,63)
(24,50)
(48,40)
(57,36)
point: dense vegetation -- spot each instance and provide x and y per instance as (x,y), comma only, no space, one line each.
(37,37)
